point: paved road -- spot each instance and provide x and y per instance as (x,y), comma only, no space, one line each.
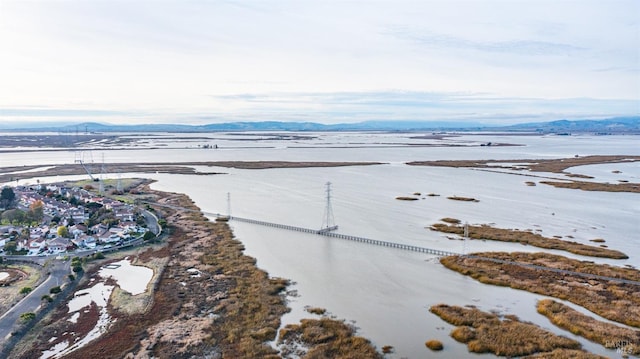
(59,270)
(152,222)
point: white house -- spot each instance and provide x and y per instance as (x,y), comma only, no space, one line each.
(58,244)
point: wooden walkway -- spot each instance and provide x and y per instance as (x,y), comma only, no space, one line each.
(326,233)
(436,252)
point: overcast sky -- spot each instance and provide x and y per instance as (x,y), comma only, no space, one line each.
(325,61)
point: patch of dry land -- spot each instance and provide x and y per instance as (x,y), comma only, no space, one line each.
(553,166)
(608,335)
(324,338)
(487,232)
(9,174)
(16,278)
(485,332)
(592,286)
(206,300)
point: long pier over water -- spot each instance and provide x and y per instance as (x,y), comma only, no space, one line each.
(437,252)
(327,233)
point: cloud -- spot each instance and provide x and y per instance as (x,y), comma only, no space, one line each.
(517,47)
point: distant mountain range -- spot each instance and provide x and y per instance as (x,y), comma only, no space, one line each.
(603,126)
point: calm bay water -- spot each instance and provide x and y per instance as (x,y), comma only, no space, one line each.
(387,292)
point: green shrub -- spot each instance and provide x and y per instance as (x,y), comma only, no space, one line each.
(55,290)
(25,317)
(26,290)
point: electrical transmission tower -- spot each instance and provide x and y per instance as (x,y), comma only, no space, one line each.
(328,221)
(465,238)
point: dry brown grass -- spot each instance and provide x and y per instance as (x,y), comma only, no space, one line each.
(434,345)
(406,198)
(231,309)
(607,334)
(530,183)
(463,199)
(528,238)
(565,354)
(597,186)
(612,300)
(463,334)
(553,166)
(20,276)
(171,167)
(487,333)
(316,310)
(450,220)
(534,165)
(324,338)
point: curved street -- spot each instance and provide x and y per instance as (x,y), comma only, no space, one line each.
(58,270)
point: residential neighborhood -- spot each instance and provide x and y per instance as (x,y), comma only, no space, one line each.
(53,219)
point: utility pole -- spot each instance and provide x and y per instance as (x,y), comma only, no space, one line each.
(465,237)
(328,222)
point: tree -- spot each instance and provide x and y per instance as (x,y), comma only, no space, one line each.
(10,247)
(63,231)
(7,197)
(13,216)
(148,235)
(36,211)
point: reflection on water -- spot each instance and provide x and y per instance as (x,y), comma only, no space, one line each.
(387,292)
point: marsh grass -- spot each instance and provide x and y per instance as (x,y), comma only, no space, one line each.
(485,332)
(450,220)
(534,165)
(434,345)
(316,310)
(612,300)
(406,198)
(565,354)
(324,338)
(550,165)
(597,186)
(608,335)
(528,238)
(463,199)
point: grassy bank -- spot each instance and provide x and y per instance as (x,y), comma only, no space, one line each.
(596,186)
(607,334)
(161,167)
(324,338)
(485,332)
(209,299)
(550,165)
(534,165)
(612,300)
(528,238)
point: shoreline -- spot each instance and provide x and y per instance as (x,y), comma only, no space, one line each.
(232,308)
(18,173)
